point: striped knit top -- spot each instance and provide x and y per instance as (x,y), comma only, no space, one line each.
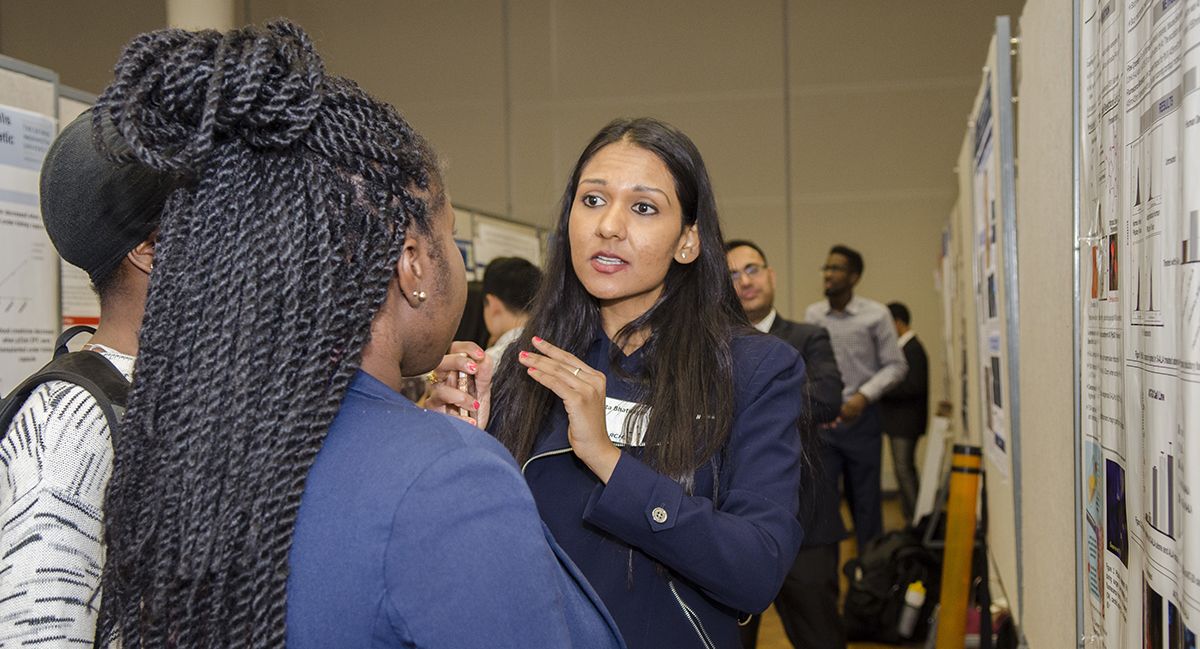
(55,462)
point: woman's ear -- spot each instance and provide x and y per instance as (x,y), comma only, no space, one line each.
(688,249)
(142,255)
(412,270)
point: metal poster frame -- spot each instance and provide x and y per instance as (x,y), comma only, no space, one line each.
(1077,317)
(75,94)
(1006,140)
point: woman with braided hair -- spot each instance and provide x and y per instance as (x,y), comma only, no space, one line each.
(270,485)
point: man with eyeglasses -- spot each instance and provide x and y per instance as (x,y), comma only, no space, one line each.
(807,602)
(864,341)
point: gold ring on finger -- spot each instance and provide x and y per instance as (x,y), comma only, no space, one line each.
(576,372)
(432,377)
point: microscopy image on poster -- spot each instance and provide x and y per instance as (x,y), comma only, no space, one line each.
(1094,531)
(1117,528)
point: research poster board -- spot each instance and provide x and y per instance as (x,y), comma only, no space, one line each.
(989,201)
(1140,321)
(80,306)
(499,238)
(992,213)
(29,307)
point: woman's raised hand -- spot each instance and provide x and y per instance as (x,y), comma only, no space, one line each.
(582,390)
(462,384)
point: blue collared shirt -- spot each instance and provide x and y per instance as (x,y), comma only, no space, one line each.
(864,342)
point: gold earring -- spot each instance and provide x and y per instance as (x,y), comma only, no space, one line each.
(420,295)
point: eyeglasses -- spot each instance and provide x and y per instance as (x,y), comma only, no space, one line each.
(749,271)
(832,268)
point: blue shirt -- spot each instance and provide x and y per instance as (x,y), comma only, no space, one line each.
(678,569)
(864,342)
(416,530)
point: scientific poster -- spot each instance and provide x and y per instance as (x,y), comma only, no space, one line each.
(497,238)
(1140,256)
(989,280)
(28,263)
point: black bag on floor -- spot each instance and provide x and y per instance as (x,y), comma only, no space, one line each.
(879,578)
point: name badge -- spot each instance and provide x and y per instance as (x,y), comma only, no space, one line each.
(616,413)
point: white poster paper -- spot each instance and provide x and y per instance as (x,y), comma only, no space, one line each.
(496,238)
(28,263)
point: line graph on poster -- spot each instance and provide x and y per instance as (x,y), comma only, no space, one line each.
(16,279)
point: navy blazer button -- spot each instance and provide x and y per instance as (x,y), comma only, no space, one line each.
(659,514)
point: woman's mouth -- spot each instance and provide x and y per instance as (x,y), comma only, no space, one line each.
(608,263)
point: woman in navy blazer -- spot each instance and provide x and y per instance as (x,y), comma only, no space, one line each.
(271,486)
(658,432)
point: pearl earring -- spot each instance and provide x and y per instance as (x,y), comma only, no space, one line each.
(420,295)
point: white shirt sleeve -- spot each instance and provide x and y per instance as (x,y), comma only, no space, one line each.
(57,459)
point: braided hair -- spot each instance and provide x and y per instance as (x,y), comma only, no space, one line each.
(272,261)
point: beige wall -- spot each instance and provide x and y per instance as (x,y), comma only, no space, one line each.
(820,122)
(812,137)
(79,39)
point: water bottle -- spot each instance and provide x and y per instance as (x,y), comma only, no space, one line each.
(914,598)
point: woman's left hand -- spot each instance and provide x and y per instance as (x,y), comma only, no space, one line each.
(582,390)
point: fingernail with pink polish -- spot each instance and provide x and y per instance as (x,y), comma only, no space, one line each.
(476,405)
(524,354)
(470,367)
(537,340)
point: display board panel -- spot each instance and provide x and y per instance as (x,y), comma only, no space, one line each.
(996,305)
(1139,235)
(499,238)
(29,309)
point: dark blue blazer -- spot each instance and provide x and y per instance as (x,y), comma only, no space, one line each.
(417,530)
(677,569)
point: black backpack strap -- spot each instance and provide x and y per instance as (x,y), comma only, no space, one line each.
(60,345)
(88,370)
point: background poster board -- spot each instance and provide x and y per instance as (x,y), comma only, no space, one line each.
(1139,239)
(991,211)
(29,307)
(495,237)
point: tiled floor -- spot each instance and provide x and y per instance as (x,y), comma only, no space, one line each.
(770,634)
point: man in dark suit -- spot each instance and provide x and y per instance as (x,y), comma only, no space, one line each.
(906,409)
(807,603)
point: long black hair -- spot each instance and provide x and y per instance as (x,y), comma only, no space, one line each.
(687,384)
(272,262)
